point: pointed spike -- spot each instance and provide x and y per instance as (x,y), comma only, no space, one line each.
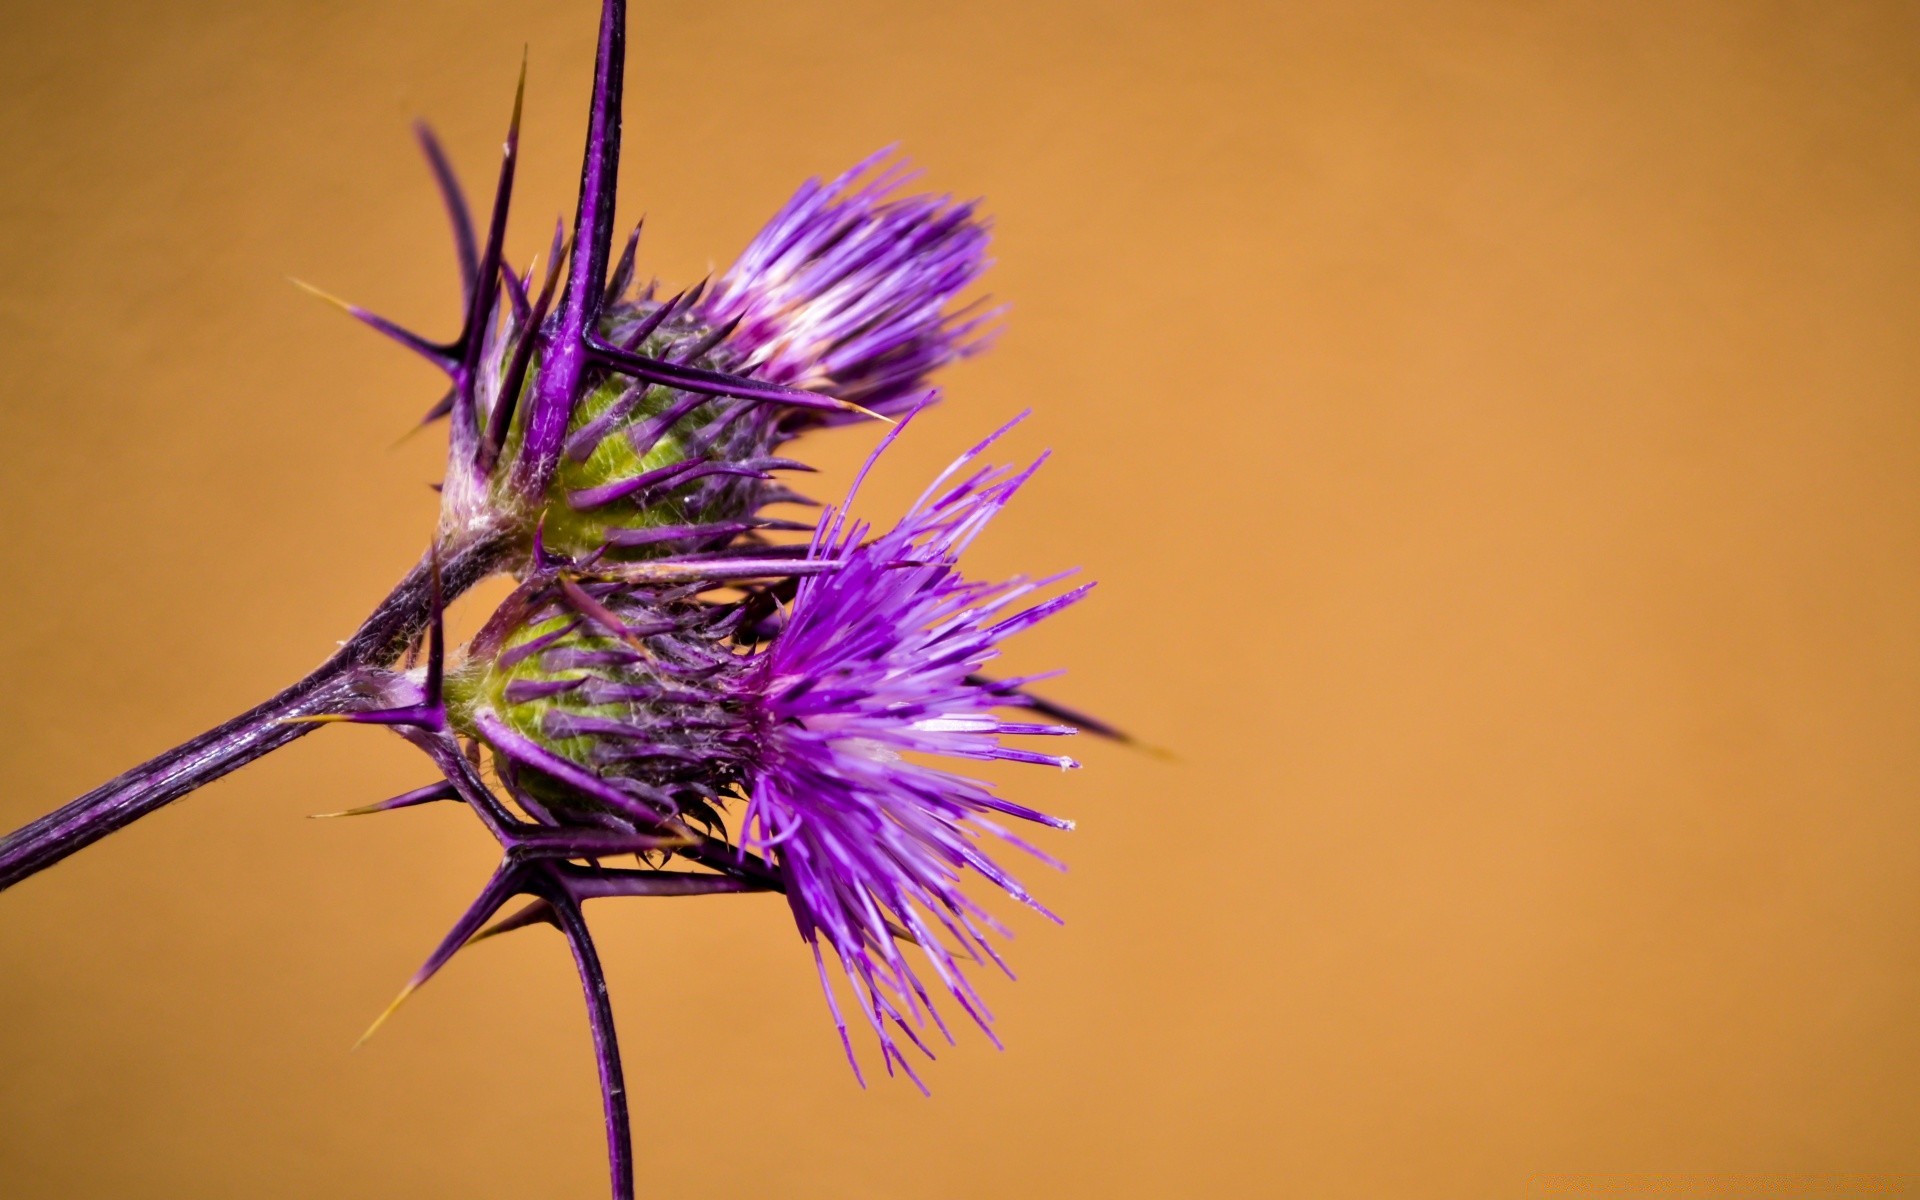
(1021,698)
(517,293)
(580,444)
(623,273)
(440,356)
(511,383)
(424,795)
(538,912)
(463,773)
(455,199)
(557,249)
(480,305)
(719,383)
(419,716)
(520,749)
(542,561)
(427,715)
(505,884)
(599,613)
(388,1011)
(599,169)
(440,409)
(673,474)
(651,322)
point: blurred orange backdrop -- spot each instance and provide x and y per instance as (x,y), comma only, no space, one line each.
(1494,428)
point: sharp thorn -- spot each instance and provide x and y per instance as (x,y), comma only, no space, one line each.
(439,356)
(456,203)
(539,912)
(380,1020)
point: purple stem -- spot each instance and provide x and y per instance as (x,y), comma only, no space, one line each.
(606,1049)
(331,688)
(172,774)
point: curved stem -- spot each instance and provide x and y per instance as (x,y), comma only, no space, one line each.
(606,1048)
(332,686)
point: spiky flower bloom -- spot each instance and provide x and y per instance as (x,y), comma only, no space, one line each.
(839,309)
(664,665)
(635,710)
(624,424)
(846,289)
(876,670)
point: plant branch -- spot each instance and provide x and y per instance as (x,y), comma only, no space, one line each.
(331,687)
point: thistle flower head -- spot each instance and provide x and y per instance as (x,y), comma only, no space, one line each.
(634,707)
(876,670)
(841,307)
(847,289)
(647,470)
(630,425)
(606,705)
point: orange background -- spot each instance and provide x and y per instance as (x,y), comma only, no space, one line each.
(1494,428)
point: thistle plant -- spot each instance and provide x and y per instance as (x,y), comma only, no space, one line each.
(672,682)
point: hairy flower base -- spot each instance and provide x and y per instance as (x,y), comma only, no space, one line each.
(646,470)
(637,686)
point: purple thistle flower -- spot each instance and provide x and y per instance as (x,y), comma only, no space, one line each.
(635,710)
(662,657)
(879,660)
(846,288)
(621,423)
